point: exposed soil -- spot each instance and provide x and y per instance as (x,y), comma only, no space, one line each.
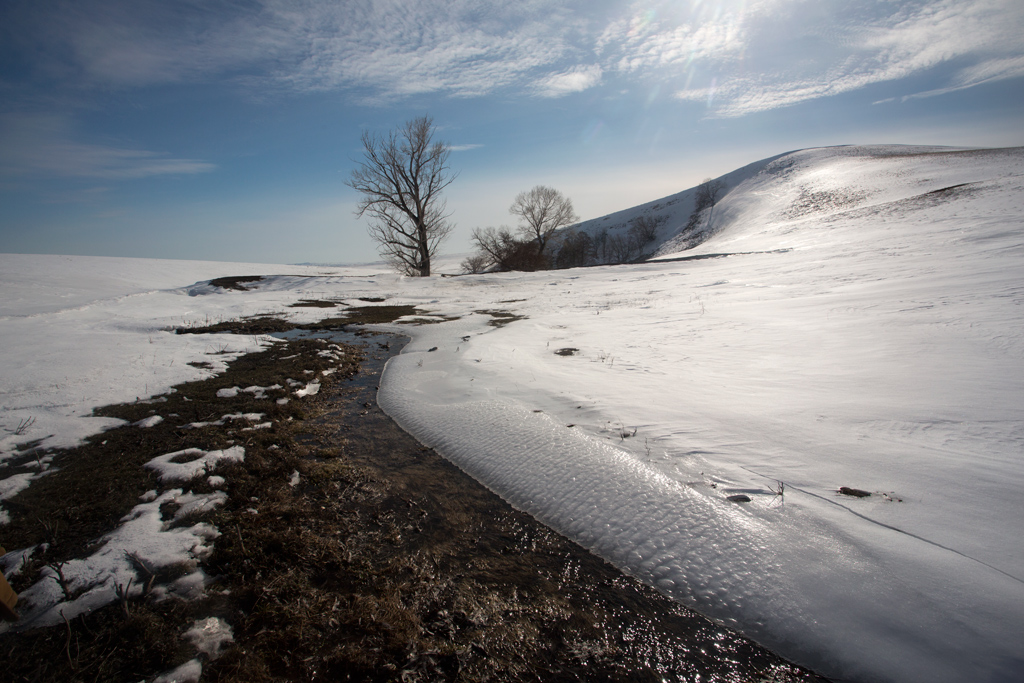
(381,561)
(235,282)
(266,324)
(314,303)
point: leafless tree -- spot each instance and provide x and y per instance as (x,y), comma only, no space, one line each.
(707,197)
(575,249)
(401,180)
(493,243)
(599,245)
(501,248)
(707,193)
(621,248)
(476,263)
(542,211)
(643,230)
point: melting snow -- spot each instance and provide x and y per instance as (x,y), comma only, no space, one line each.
(151,421)
(308,390)
(14,484)
(143,537)
(189,672)
(200,462)
(210,636)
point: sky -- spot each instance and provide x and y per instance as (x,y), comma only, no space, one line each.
(225,129)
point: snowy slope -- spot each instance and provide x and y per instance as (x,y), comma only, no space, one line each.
(864,331)
(671,213)
(867,334)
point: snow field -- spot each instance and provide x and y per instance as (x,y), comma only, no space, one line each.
(865,331)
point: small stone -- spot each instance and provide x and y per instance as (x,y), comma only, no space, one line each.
(739,498)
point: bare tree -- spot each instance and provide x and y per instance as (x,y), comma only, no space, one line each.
(502,250)
(644,228)
(621,248)
(600,245)
(476,263)
(575,250)
(542,210)
(707,193)
(401,179)
(707,196)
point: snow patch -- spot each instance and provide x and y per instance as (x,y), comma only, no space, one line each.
(15,484)
(189,672)
(210,636)
(309,390)
(12,562)
(143,537)
(199,462)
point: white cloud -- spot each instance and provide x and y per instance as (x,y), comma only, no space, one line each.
(763,54)
(94,161)
(142,42)
(987,72)
(41,145)
(982,36)
(379,48)
(576,79)
(463,49)
(654,39)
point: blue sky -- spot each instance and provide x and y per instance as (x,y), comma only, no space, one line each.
(225,129)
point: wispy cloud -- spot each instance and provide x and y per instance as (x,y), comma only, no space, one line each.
(987,72)
(42,146)
(660,37)
(463,148)
(460,48)
(125,43)
(966,44)
(381,48)
(740,56)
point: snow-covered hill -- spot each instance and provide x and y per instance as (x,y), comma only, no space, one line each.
(855,318)
(865,332)
(671,215)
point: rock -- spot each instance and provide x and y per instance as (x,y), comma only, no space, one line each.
(739,498)
(847,491)
(567,351)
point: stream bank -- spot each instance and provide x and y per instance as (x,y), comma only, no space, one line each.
(346,551)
